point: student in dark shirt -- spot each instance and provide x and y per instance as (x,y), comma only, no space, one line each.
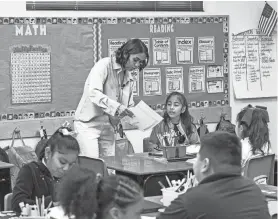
(36,179)
(222,192)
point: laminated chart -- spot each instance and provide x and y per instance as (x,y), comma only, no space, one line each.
(30,73)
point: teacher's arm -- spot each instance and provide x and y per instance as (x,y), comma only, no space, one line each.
(97,78)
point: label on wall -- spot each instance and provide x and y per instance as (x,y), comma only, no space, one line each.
(161,51)
(206,49)
(184,50)
(151,81)
(196,79)
(174,79)
(114,44)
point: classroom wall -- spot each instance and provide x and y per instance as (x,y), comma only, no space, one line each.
(244,15)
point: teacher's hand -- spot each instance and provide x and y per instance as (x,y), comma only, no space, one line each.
(124,111)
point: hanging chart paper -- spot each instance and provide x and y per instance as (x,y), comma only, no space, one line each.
(254,65)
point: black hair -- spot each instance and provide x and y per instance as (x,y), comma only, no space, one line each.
(60,142)
(186,118)
(223,150)
(257,131)
(117,190)
(83,194)
(132,46)
(77,193)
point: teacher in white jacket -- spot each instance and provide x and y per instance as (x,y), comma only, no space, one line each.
(106,98)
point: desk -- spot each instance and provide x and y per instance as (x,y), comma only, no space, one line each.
(141,167)
(4,165)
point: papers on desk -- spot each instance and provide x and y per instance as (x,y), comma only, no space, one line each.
(192,149)
(147,217)
(145,117)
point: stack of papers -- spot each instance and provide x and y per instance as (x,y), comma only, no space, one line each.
(145,117)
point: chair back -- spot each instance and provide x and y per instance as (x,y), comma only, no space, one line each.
(146,145)
(260,166)
(8,202)
(95,164)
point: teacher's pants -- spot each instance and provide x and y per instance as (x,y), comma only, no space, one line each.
(96,138)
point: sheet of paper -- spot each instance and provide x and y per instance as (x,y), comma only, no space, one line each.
(147,217)
(145,117)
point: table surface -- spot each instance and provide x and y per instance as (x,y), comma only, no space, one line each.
(4,165)
(143,164)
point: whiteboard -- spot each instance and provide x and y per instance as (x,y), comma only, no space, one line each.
(254,58)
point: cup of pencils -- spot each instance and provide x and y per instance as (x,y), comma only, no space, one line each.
(175,188)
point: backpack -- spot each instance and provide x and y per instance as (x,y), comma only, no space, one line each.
(19,156)
(225,125)
(5,180)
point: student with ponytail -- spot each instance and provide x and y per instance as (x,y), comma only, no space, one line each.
(85,195)
(252,129)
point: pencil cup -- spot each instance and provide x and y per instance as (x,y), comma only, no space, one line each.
(168,195)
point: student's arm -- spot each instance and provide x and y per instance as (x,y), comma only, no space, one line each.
(23,188)
(176,210)
(96,80)
(194,137)
(154,141)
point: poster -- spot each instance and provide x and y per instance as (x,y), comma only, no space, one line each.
(161,51)
(215,86)
(184,50)
(135,75)
(151,82)
(254,64)
(174,79)
(196,79)
(114,44)
(214,71)
(206,49)
(31,74)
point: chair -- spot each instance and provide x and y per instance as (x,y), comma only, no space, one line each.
(96,164)
(146,145)
(260,166)
(8,202)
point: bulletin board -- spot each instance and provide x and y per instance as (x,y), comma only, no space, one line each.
(44,63)
(187,54)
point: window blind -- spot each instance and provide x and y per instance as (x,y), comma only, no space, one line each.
(115,5)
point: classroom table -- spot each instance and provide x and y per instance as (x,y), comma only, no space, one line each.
(141,166)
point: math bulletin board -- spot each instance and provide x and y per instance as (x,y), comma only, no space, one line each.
(44,63)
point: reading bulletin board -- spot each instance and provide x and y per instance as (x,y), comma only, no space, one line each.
(44,63)
(187,54)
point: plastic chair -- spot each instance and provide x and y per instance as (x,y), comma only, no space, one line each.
(8,202)
(96,164)
(146,145)
(260,166)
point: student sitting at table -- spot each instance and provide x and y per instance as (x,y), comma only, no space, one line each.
(40,178)
(252,129)
(177,127)
(222,192)
(82,195)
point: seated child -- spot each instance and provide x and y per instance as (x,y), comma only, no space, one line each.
(36,179)
(252,129)
(83,195)
(177,127)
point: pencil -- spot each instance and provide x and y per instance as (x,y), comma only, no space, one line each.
(168,181)
(161,185)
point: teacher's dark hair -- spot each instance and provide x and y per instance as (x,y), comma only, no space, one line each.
(133,46)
